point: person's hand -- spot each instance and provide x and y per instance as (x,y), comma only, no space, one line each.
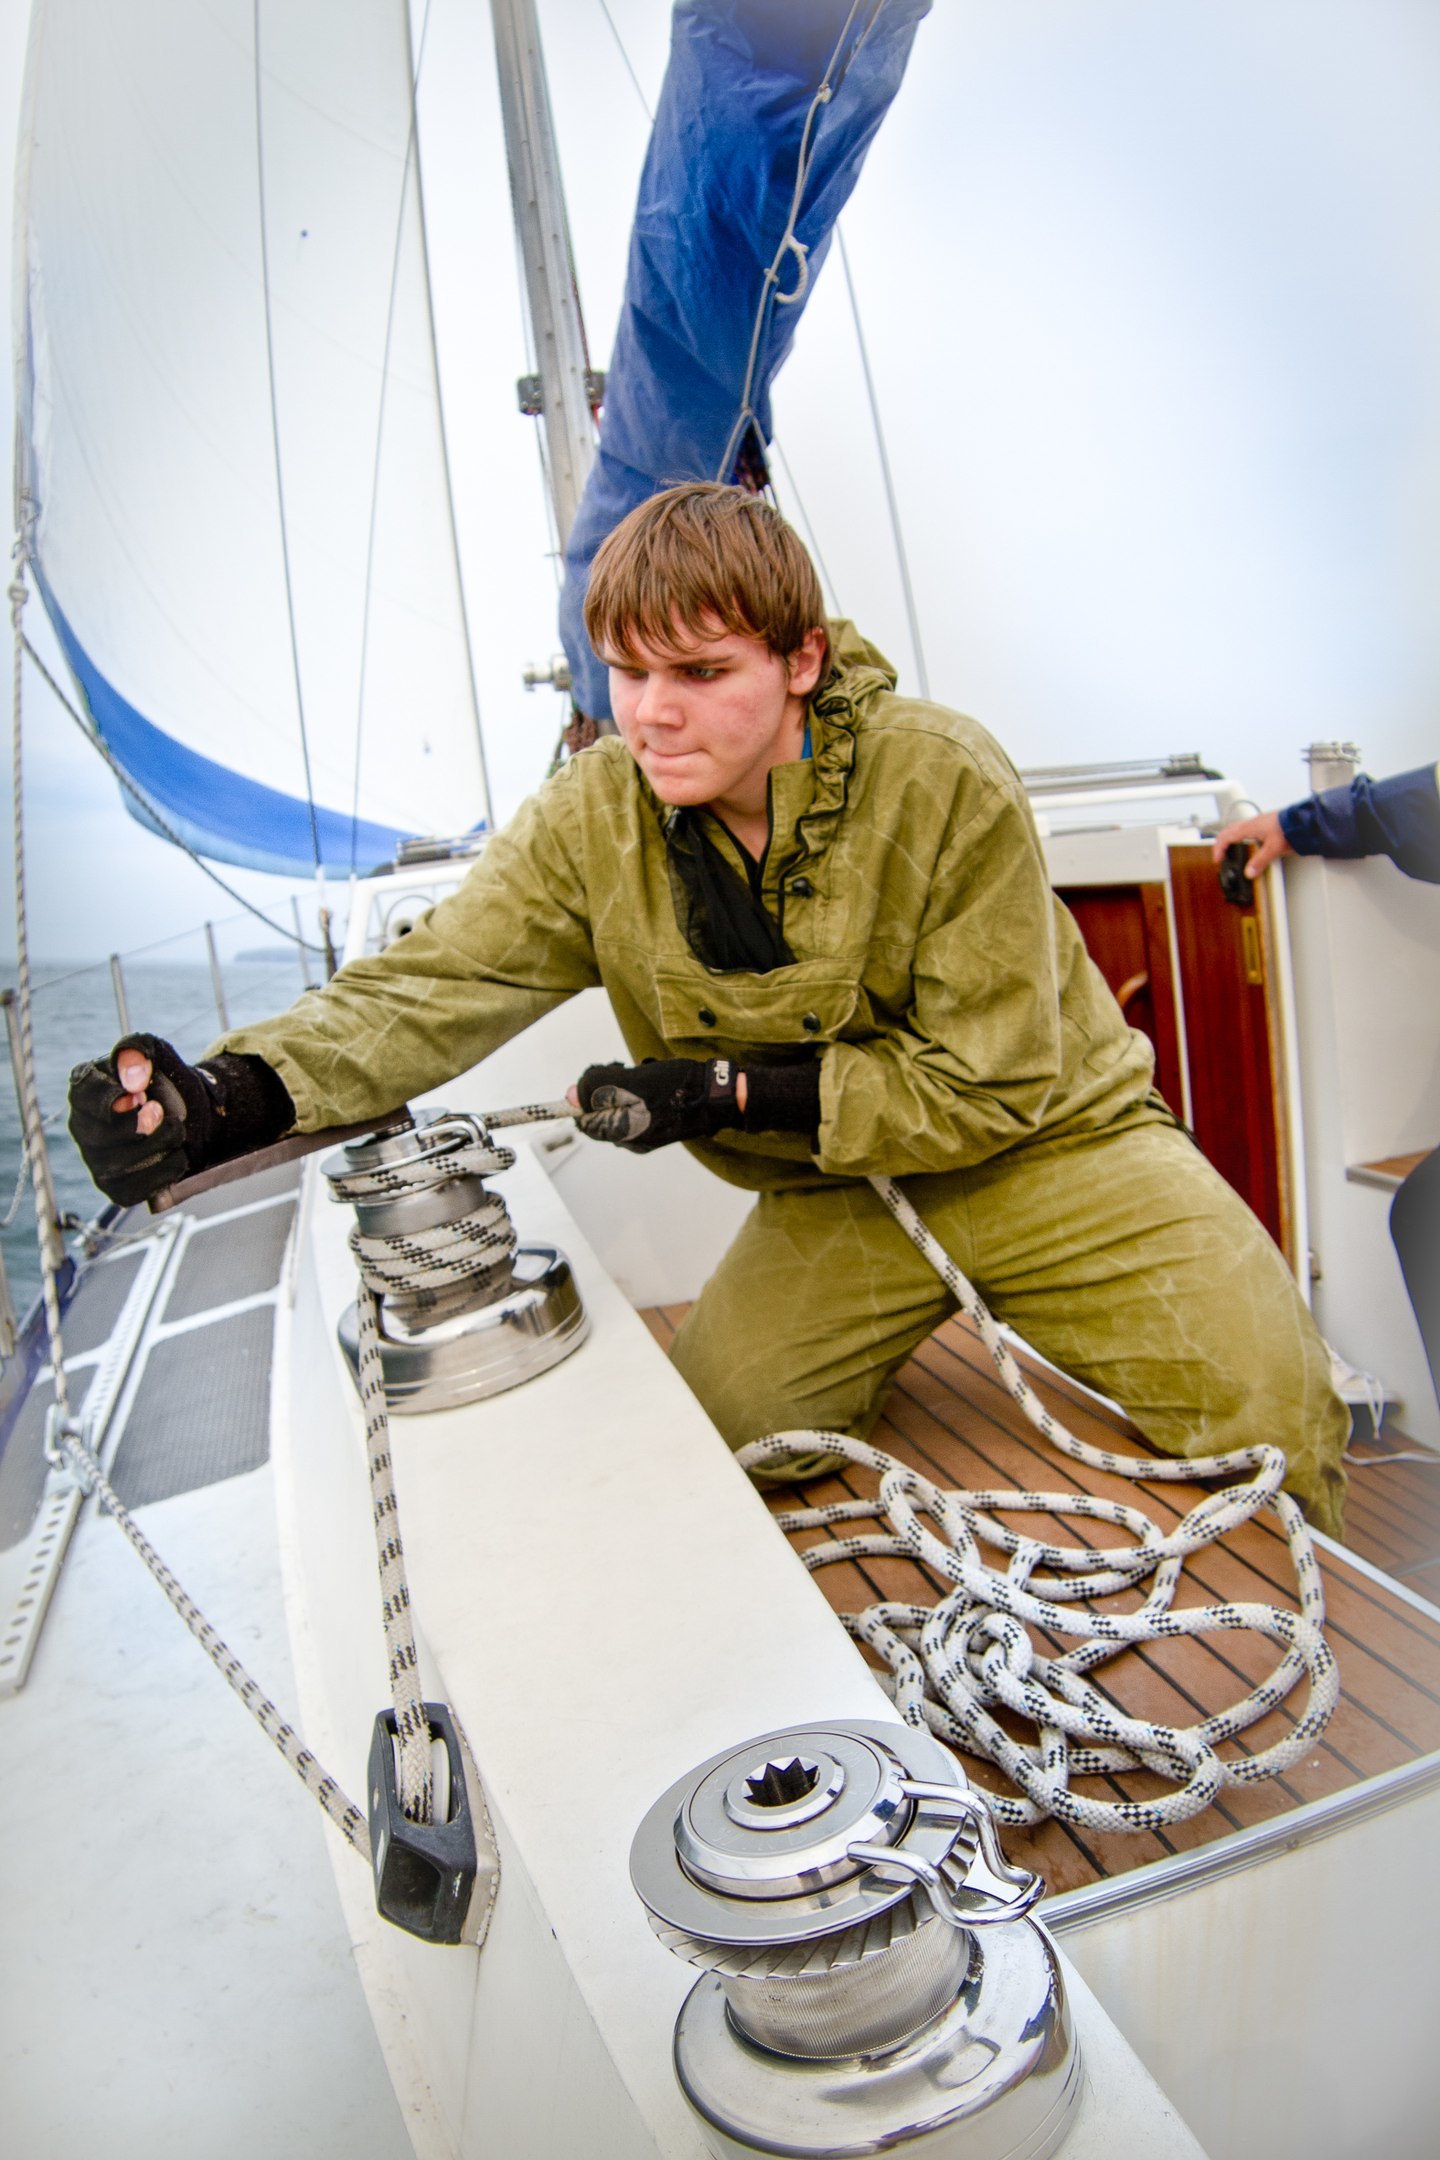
(1262,833)
(648,1106)
(141,1118)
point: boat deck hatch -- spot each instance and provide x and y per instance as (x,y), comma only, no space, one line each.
(227,1261)
(201,1412)
(191,1400)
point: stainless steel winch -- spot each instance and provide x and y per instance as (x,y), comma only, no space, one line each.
(465,1311)
(871,1981)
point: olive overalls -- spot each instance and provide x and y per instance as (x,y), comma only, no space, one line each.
(967,1045)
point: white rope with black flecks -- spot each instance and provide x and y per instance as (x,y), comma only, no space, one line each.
(417,1264)
(953,1663)
(312,1774)
(412,1726)
(411,1264)
(65,1444)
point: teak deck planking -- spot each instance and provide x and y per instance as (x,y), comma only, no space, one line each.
(949,1417)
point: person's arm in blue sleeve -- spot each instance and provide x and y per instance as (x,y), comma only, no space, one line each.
(1398,817)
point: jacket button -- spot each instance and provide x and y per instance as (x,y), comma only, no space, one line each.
(811,1023)
(801,888)
(706,1017)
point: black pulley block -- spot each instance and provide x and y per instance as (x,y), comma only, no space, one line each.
(424,1872)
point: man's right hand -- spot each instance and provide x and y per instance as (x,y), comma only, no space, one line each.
(142,1118)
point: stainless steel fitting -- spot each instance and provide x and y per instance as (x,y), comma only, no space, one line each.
(871,1980)
(465,1311)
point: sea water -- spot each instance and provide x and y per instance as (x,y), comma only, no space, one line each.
(75,1018)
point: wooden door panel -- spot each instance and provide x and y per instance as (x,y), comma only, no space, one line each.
(1224,967)
(1127,934)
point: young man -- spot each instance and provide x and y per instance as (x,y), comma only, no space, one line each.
(822,910)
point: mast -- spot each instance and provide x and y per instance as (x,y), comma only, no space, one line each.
(566,390)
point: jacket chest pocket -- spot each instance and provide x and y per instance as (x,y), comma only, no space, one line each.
(794,1007)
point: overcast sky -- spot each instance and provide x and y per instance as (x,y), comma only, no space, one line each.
(1152,302)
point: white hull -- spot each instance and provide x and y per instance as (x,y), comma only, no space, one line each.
(603,1601)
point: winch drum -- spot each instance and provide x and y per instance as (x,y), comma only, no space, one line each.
(462,1311)
(871,1980)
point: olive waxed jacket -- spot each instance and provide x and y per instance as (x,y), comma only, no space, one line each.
(945,990)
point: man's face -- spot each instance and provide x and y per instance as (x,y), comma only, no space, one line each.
(705,721)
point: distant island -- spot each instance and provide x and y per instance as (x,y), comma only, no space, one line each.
(268,953)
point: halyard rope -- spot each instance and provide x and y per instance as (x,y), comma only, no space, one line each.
(315,1778)
(415,1266)
(52,1251)
(65,1444)
(412,1727)
(953,1663)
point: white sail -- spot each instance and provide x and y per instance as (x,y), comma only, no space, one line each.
(229,424)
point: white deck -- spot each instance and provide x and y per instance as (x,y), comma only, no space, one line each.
(176,1976)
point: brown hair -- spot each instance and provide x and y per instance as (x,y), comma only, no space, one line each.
(695,555)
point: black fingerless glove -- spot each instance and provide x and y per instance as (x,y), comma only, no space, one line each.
(642,1107)
(223,1107)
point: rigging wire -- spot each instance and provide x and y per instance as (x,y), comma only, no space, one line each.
(810,540)
(157,817)
(414,150)
(375,463)
(789,245)
(901,557)
(279,475)
(629,69)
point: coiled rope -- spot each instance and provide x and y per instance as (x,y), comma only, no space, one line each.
(954,1663)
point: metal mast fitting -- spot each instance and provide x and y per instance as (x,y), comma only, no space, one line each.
(566,384)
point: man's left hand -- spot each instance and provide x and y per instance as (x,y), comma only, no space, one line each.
(647,1106)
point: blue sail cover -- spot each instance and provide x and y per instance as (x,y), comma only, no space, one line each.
(715,196)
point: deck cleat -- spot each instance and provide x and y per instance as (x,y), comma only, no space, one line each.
(465,1311)
(871,1980)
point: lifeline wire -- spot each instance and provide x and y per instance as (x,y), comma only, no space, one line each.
(952,1663)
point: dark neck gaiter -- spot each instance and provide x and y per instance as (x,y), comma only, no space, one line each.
(721,915)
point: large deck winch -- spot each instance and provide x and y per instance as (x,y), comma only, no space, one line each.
(871,1981)
(465,1310)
